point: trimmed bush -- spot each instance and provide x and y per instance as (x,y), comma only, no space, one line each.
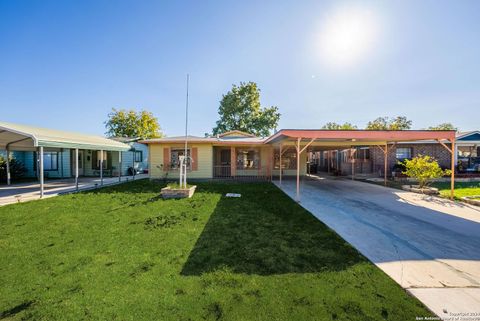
(424,169)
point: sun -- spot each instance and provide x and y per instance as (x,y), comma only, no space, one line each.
(347,35)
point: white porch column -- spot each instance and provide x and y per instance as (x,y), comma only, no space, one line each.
(41,170)
(101,167)
(76,169)
(280,164)
(119,166)
(8,166)
(133,178)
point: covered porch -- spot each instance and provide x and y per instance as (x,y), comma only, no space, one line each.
(248,162)
(60,154)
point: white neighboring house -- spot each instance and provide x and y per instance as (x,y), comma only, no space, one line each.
(136,157)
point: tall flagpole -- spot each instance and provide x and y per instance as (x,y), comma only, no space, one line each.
(186,137)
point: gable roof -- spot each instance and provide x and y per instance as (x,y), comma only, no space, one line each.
(468,136)
(236,133)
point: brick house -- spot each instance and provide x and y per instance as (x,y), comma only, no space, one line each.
(370,159)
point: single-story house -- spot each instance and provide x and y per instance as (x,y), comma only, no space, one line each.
(238,155)
(97,156)
(136,158)
(233,154)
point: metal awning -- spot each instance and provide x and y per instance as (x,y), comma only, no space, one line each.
(22,137)
(358,136)
(309,138)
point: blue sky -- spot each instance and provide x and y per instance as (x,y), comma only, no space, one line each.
(65,64)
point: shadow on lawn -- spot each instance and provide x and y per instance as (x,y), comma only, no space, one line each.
(264,232)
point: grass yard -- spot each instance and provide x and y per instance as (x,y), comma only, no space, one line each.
(461,189)
(121,253)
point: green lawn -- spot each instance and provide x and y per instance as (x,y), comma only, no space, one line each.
(461,189)
(121,253)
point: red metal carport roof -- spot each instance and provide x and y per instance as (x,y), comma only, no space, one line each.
(363,135)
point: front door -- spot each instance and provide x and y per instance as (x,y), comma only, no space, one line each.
(80,163)
(225,161)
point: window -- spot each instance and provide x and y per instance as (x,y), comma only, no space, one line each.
(362,153)
(138,156)
(50,161)
(289,159)
(248,159)
(404,152)
(96,159)
(175,154)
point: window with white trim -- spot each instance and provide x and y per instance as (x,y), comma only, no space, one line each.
(138,157)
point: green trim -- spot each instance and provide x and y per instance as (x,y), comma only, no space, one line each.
(82,146)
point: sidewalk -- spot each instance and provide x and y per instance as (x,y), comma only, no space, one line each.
(31,191)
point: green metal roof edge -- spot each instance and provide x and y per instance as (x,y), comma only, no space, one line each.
(82,146)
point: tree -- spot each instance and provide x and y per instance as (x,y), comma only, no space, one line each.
(129,123)
(336,126)
(17,169)
(240,110)
(443,126)
(423,169)
(385,123)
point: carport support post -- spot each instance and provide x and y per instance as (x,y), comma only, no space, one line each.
(385,158)
(101,167)
(120,166)
(280,164)
(76,169)
(41,170)
(453,153)
(452,174)
(353,163)
(298,169)
(8,166)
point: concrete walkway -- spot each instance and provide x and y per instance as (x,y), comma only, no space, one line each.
(429,245)
(31,191)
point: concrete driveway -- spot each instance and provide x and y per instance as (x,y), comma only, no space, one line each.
(430,246)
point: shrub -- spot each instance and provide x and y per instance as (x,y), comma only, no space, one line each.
(16,168)
(423,169)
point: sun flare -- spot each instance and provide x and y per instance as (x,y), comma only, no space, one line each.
(347,35)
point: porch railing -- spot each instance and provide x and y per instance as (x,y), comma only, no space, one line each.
(226,172)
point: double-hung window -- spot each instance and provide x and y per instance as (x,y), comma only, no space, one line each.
(138,157)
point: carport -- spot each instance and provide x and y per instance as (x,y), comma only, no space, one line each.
(335,139)
(15,137)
